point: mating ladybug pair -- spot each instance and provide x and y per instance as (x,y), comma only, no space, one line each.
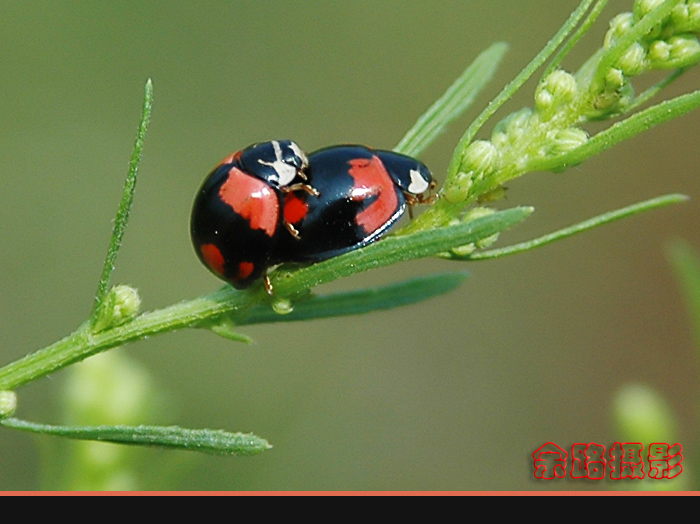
(271,203)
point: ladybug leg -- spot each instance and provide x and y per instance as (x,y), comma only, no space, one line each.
(267,284)
(292,230)
(301,187)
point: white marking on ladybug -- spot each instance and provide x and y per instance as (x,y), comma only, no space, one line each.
(285,172)
(298,152)
(418,184)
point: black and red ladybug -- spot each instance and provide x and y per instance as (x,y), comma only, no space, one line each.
(270,203)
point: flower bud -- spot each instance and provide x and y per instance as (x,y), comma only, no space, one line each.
(122,303)
(659,52)
(693,20)
(473,214)
(614,80)
(457,189)
(685,51)
(633,62)
(559,88)
(511,129)
(619,26)
(481,157)
(8,403)
(644,7)
(565,140)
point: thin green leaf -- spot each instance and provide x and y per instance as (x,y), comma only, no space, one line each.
(686,265)
(457,99)
(582,30)
(122,216)
(628,128)
(211,441)
(399,249)
(650,93)
(362,301)
(586,225)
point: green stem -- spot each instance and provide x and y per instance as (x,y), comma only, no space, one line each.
(82,344)
(194,313)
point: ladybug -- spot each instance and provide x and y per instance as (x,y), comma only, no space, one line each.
(270,204)
(360,194)
(237,213)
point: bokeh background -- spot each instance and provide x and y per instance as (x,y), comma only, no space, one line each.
(451,394)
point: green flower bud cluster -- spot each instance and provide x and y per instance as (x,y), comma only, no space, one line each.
(671,44)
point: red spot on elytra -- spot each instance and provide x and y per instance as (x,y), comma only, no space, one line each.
(213,258)
(252,199)
(244,270)
(295,209)
(371,179)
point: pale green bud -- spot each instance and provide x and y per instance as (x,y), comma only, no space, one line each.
(481,157)
(619,26)
(659,52)
(693,21)
(644,7)
(685,51)
(562,85)
(565,140)
(122,303)
(8,403)
(511,129)
(545,104)
(457,189)
(473,214)
(614,80)
(633,62)
(685,18)
(679,17)
(559,88)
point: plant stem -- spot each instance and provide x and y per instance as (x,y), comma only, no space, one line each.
(83,343)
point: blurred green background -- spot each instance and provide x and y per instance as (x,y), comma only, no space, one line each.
(452,394)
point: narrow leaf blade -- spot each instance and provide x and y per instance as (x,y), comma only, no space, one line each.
(399,249)
(586,225)
(217,442)
(686,265)
(363,301)
(122,217)
(454,102)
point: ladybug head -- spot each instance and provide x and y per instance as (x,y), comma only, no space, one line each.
(278,162)
(412,176)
